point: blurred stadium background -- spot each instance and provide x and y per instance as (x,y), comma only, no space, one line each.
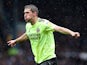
(67,13)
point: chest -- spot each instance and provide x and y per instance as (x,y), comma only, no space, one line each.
(34,33)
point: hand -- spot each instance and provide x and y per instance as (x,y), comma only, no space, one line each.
(76,34)
(11,43)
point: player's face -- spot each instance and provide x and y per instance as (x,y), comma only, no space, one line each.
(28,14)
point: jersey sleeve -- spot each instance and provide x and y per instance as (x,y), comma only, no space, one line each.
(49,26)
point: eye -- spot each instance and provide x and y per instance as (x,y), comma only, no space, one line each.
(27,12)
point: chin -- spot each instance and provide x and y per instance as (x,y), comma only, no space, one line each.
(27,20)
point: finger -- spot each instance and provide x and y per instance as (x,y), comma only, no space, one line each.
(9,44)
(76,36)
(12,45)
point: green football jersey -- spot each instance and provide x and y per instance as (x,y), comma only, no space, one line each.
(42,40)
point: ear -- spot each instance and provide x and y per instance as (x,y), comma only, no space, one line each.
(35,13)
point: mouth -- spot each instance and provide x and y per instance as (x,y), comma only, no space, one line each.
(27,20)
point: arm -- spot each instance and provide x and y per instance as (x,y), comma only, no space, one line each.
(19,39)
(65,31)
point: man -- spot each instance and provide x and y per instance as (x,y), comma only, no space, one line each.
(40,32)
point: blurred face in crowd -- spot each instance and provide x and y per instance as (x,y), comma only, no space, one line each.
(29,15)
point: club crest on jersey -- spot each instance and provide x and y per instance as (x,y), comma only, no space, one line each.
(38,30)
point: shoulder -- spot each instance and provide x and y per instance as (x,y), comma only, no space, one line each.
(44,21)
(28,25)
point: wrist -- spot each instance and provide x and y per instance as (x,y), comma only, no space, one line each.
(73,34)
(15,41)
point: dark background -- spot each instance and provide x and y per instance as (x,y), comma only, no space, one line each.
(71,14)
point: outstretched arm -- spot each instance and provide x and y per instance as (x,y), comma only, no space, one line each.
(66,31)
(19,39)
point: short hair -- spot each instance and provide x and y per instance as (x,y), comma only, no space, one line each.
(32,7)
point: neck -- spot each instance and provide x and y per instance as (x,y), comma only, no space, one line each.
(34,20)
